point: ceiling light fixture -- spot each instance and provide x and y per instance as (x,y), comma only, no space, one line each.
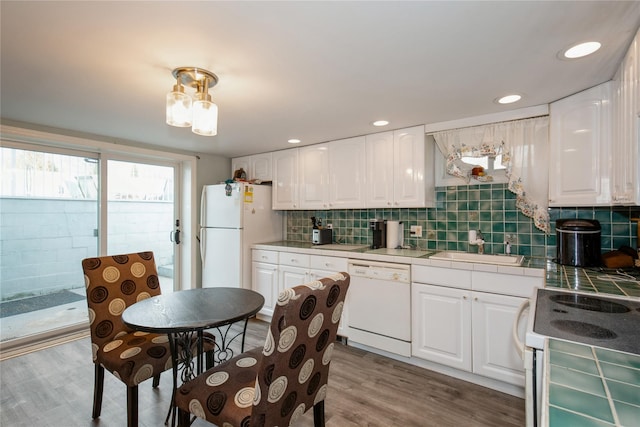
(380,123)
(198,112)
(509,99)
(582,49)
(294,141)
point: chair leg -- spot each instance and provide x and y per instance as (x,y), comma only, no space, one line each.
(209,359)
(132,406)
(318,414)
(184,418)
(156,381)
(98,387)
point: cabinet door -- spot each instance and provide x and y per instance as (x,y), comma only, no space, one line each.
(409,167)
(313,164)
(241,162)
(379,170)
(494,353)
(625,173)
(285,179)
(580,146)
(347,173)
(265,282)
(288,277)
(343,330)
(261,167)
(441,325)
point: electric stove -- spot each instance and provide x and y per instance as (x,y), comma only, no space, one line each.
(592,319)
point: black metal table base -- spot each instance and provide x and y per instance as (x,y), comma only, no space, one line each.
(182,356)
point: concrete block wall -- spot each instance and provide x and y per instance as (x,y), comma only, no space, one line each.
(42,241)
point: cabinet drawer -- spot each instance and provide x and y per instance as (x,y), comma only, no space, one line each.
(330,263)
(293,259)
(506,284)
(261,255)
(441,276)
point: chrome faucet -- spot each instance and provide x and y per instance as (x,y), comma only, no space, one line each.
(480,242)
(476,238)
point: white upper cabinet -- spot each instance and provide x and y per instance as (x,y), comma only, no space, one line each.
(261,167)
(580,147)
(379,170)
(257,166)
(625,178)
(241,163)
(347,173)
(285,179)
(313,164)
(400,169)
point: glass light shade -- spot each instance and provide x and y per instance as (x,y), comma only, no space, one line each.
(205,118)
(178,109)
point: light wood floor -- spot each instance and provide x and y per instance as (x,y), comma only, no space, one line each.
(54,387)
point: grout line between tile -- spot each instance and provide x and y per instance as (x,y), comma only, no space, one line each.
(612,406)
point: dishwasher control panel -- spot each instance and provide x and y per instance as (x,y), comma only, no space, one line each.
(381,271)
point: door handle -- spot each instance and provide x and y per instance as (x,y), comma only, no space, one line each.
(174,236)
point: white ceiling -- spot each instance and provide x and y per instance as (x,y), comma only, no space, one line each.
(317,71)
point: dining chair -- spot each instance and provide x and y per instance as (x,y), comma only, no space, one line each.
(113,283)
(276,384)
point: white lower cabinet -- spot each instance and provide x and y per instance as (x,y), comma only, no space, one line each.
(323,266)
(292,276)
(274,271)
(441,325)
(467,329)
(264,278)
(494,354)
(265,282)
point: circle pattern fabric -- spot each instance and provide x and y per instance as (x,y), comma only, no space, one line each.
(114,283)
(290,372)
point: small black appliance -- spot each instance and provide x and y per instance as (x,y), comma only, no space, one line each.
(578,242)
(379,230)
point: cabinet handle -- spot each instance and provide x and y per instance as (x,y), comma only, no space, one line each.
(464,297)
(326,264)
(475,299)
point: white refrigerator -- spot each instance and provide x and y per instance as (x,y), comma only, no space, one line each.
(229,224)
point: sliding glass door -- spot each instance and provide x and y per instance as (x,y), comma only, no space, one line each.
(141,214)
(58,207)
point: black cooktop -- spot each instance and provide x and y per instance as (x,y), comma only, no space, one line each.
(590,319)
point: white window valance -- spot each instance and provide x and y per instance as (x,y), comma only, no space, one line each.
(523,145)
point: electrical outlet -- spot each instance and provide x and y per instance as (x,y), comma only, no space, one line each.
(416,231)
(330,226)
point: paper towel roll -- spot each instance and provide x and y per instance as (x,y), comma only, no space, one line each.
(393,233)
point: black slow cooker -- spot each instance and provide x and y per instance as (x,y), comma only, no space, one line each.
(578,242)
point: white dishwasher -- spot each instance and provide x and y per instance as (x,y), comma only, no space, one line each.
(380,306)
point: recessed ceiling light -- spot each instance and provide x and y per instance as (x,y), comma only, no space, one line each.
(294,141)
(582,49)
(509,99)
(380,123)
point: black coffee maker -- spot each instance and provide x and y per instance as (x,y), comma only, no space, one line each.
(378,229)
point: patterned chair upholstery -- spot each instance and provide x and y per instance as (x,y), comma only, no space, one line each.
(114,283)
(276,384)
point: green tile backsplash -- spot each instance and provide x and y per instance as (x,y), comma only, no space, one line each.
(490,208)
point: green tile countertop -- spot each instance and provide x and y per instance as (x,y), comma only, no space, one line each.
(591,280)
(590,386)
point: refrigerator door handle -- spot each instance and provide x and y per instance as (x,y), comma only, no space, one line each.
(203,204)
(202,244)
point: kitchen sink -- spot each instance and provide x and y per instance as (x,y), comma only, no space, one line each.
(513,260)
(339,247)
